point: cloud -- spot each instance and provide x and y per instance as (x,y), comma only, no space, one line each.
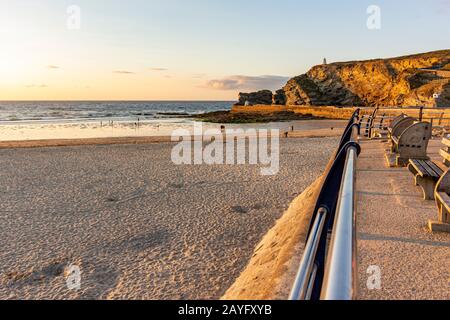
(36,86)
(445,4)
(52,66)
(159,69)
(441,6)
(123,72)
(241,82)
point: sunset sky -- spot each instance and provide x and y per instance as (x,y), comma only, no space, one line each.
(196,49)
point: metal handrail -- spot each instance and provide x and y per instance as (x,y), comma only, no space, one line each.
(340,271)
(332,205)
(305,276)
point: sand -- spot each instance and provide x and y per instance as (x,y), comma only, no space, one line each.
(273,267)
(138,226)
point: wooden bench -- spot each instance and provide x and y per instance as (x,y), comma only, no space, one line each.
(400,126)
(445,151)
(426,174)
(411,143)
(395,121)
(443,204)
(435,184)
(442,197)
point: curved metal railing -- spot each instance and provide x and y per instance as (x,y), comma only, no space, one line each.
(340,270)
(332,276)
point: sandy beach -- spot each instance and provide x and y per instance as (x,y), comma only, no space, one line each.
(138,226)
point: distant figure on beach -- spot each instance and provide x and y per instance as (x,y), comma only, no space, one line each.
(325,61)
(222,128)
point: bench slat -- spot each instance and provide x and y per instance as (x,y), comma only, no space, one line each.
(418,166)
(427,165)
(436,169)
(426,168)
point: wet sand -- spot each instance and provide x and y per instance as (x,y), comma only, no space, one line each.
(143,130)
(138,226)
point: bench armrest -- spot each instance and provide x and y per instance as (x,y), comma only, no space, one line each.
(443,198)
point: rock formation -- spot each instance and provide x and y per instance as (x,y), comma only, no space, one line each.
(260,97)
(416,80)
(279,98)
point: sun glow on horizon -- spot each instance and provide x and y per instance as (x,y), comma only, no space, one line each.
(12,57)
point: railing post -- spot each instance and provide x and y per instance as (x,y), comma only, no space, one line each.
(372,123)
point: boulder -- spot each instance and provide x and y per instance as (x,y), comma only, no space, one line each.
(252,98)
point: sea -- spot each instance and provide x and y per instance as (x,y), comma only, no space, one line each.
(49,120)
(85,111)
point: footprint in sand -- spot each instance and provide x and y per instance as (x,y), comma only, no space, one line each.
(239,209)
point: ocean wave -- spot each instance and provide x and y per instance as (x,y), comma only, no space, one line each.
(56,110)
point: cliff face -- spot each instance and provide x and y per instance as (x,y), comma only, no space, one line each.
(383,82)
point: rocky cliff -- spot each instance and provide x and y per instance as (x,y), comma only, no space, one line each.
(421,79)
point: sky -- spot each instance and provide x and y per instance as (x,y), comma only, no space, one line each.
(196,49)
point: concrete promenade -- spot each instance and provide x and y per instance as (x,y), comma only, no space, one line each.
(393,234)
